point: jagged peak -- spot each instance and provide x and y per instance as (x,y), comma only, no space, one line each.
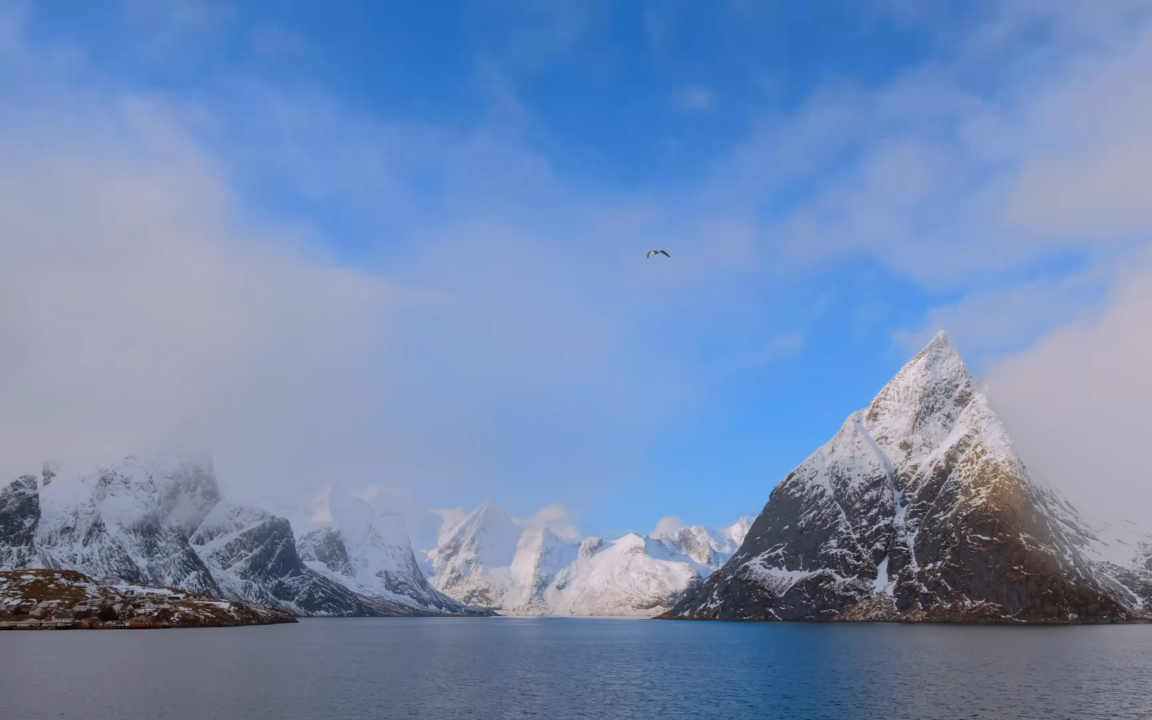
(941,338)
(24,483)
(939,360)
(487,534)
(486,514)
(922,402)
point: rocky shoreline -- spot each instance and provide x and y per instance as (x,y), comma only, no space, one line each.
(69,600)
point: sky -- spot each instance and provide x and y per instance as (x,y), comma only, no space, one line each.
(401,247)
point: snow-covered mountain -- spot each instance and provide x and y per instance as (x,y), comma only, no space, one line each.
(706,547)
(161,521)
(19,516)
(368,550)
(919,508)
(492,560)
(131,521)
(473,562)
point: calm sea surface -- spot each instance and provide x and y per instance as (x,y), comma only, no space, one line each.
(577,668)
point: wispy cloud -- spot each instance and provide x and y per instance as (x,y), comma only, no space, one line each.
(782,346)
(277,43)
(696,98)
(493,308)
(161,304)
(1077,403)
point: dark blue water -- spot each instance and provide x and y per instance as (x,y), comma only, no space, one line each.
(576,668)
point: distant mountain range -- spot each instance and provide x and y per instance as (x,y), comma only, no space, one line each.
(488,559)
(161,521)
(917,509)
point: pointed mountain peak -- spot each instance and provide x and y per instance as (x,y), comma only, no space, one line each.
(487,512)
(942,339)
(486,507)
(921,403)
(936,369)
(940,352)
(487,518)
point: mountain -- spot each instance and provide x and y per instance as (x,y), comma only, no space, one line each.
(368,551)
(632,575)
(253,555)
(705,546)
(919,509)
(490,559)
(472,563)
(19,516)
(131,521)
(161,521)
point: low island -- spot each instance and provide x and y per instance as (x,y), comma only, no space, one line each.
(66,599)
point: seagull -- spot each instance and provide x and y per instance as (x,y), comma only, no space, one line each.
(657,252)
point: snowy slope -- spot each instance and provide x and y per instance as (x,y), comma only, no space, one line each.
(918,508)
(254,558)
(161,521)
(707,548)
(473,562)
(130,521)
(632,575)
(368,551)
(490,559)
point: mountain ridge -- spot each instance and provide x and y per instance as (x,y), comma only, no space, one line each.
(490,559)
(162,521)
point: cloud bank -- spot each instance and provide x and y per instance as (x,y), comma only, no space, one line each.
(485,330)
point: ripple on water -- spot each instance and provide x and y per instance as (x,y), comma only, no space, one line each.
(561,669)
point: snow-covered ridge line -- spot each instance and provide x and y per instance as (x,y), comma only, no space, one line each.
(161,521)
(489,559)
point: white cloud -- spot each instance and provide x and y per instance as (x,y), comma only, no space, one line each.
(1077,404)
(782,345)
(696,98)
(667,525)
(159,304)
(277,43)
(141,297)
(939,178)
(1005,319)
(556,518)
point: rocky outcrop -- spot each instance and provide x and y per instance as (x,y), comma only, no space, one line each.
(54,599)
(368,551)
(917,509)
(19,516)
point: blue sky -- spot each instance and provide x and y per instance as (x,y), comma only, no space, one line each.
(402,244)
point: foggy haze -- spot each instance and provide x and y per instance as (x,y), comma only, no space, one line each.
(507,338)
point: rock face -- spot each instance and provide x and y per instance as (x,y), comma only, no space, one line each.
(369,552)
(472,563)
(131,521)
(253,555)
(705,546)
(19,516)
(917,509)
(160,521)
(632,575)
(489,559)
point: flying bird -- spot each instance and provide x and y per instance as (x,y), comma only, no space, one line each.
(657,252)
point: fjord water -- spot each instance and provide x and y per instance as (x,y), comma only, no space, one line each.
(578,668)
